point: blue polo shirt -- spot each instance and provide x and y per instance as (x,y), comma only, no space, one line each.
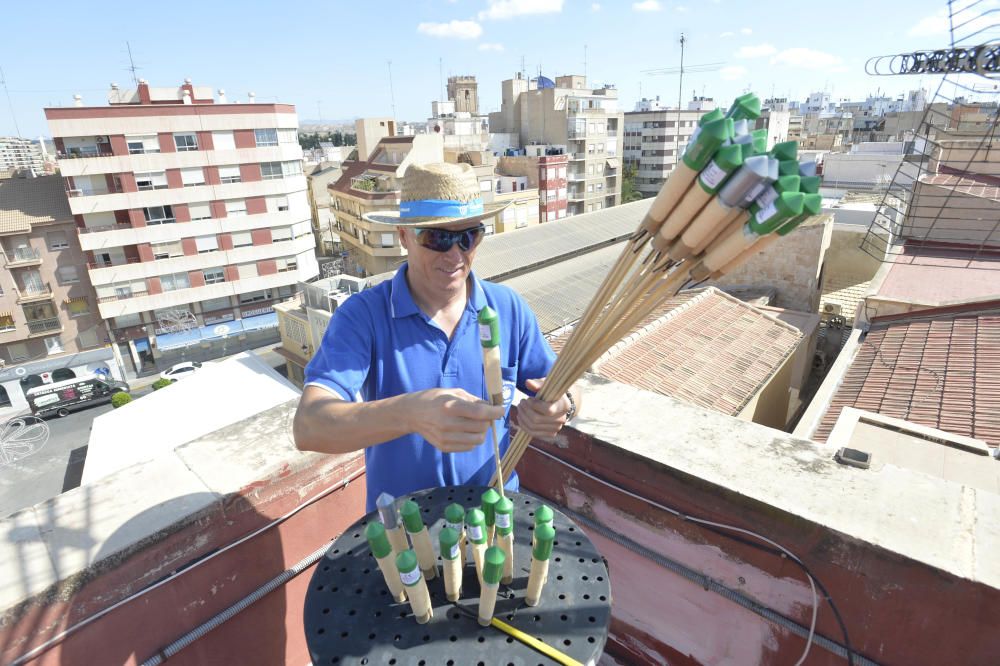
(379,344)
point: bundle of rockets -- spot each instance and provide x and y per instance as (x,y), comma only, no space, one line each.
(728,199)
(488,529)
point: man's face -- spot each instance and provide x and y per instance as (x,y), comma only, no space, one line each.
(440,272)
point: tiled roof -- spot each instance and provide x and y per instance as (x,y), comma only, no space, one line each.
(971,184)
(706,348)
(27,201)
(939,368)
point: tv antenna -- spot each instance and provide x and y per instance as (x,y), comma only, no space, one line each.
(392,95)
(132,68)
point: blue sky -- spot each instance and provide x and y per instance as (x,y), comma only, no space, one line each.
(334,55)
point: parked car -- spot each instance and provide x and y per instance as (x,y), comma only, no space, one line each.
(180,370)
(63,397)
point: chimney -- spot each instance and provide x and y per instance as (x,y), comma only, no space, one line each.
(187,97)
(144,96)
(251,97)
(222,96)
(188,89)
(77,100)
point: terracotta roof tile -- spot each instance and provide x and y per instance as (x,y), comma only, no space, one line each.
(27,201)
(939,368)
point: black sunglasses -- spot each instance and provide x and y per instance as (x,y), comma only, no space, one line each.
(441,240)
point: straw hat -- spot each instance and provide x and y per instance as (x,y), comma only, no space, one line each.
(437,194)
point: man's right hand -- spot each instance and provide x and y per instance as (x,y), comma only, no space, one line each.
(452,420)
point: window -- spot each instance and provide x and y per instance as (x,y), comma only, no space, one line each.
(214,275)
(18,351)
(550,173)
(223,140)
(229,174)
(78,306)
(142,144)
(167,250)
(255,296)
(124,321)
(247,271)
(200,211)
(242,239)
(213,304)
(282,234)
(7,322)
(57,240)
(206,244)
(288,136)
(291,168)
(151,180)
(173,281)
(276,204)
(303,228)
(87,338)
(388,240)
(270,170)
(562,172)
(186,141)
(266,137)
(287,264)
(192,176)
(236,207)
(67,275)
(159,215)
(53,346)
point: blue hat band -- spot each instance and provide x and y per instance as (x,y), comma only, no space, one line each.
(440,208)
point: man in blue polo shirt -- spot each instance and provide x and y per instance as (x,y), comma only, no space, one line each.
(400,373)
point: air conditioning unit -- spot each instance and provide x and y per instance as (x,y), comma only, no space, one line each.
(831,308)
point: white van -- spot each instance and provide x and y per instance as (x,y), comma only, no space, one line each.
(63,397)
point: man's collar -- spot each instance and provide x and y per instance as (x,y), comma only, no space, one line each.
(403,305)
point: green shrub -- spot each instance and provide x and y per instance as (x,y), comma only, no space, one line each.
(160,383)
(119,399)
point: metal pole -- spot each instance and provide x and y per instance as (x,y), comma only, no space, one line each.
(680,88)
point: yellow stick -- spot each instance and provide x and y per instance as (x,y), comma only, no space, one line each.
(533,642)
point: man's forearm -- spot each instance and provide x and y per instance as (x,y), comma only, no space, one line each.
(327,424)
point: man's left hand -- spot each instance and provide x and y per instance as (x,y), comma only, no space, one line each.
(539,418)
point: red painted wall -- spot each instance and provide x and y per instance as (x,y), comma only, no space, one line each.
(167,144)
(225,241)
(118,144)
(205,141)
(174,178)
(197,278)
(250,173)
(128,182)
(231,272)
(136,217)
(182,213)
(267,267)
(212,175)
(131,253)
(189,247)
(244,139)
(145,252)
(60,146)
(218,208)
(144,96)
(154,286)
(121,217)
(256,206)
(260,236)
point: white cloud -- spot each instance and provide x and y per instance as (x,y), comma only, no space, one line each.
(680,9)
(809,59)
(452,29)
(490,46)
(758,51)
(595,6)
(505,9)
(726,34)
(733,73)
(746,31)
(646,6)
(931,26)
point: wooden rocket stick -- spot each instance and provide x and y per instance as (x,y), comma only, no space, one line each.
(492,571)
(452,573)
(416,587)
(505,536)
(489,338)
(414,523)
(540,554)
(382,551)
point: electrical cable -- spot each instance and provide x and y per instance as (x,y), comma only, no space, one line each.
(58,638)
(781,550)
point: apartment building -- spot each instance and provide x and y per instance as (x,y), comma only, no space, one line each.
(568,113)
(546,168)
(50,328)
(193,215)
(653,142)
(775,117)
(17,154)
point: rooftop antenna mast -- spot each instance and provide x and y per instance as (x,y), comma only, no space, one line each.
(441,78)
(585,64)
(3,82)
(392,95)
(132,67)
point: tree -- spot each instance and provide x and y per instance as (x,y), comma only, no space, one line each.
(629,191)
(119,399)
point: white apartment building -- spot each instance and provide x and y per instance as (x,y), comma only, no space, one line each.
(652,143)
(193,214)
(17,154)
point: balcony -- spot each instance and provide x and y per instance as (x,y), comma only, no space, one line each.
(578,156)
(576,176)
(122,294)
(86,151)
(108,264)
(23,256)
(117,226)
(44,326)
(34,293)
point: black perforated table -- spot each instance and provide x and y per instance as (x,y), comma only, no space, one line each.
(350,618)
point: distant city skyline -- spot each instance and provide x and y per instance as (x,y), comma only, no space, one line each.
(336,65)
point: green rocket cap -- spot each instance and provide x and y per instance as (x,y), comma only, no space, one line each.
(493,565)
(714,114)
(489,327)
(544,536)
(788,168)
(475,521)
(448,540)
(406,561)
(788,184)
(726,160)
(745,106)
(786,150)
(377,540)
(787,205)
(812,204)
(454,514)
(489,502)
(810,184)
(711,136)
(410,512)
(544,515)
(505,516)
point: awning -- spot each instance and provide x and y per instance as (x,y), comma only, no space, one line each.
(612,162)
(259,322)
(194,336)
